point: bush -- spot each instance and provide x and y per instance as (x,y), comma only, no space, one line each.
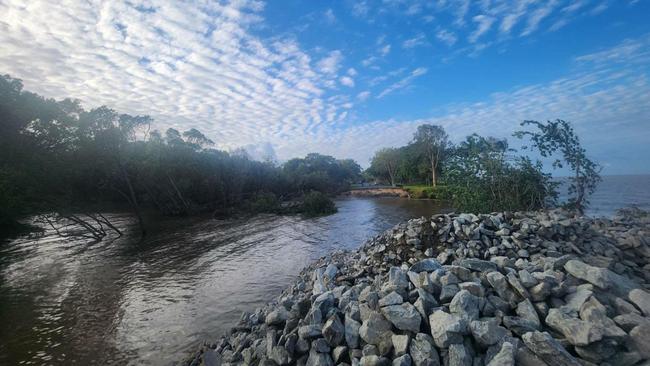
(317,204)
(264,202)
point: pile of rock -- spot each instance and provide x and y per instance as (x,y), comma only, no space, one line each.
(498,289)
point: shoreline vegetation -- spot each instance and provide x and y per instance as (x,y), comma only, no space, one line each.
(65,164)
(530,288)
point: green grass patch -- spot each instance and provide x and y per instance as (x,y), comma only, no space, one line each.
(440,192)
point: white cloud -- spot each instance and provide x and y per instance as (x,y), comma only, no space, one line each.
(484,24)
(385,50)
(538,15)
(347,81)
(331,63)
(352,72)
(418,40)
(364,95)
(447,37)
(329,16)
(403,83)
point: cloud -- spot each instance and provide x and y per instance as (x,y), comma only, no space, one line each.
(364,95)
(347,81)
(187,65)
(403,83)
(418,40)
(447,37)
(360,9)
(385,50)
(484,24)
(329,16)
(331,63)
(538,15)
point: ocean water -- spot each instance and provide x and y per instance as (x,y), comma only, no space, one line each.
(619,191)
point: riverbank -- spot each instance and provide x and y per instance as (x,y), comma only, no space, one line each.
(531,288)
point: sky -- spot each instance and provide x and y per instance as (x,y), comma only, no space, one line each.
(346,78)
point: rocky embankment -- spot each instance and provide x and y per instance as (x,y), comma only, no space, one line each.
(499,289)
(378,192)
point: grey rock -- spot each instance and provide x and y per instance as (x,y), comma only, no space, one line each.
(597,352)
(465,305)
(487,332)
(391,299)
(448,292)
(422,351)
(334,331)
(374,361)
(505,356)
(280,356)
(425,303)
(526,357)
(404,360)
(641,299)
(397,278)
(519,288)
(548,349)
(310,331)
(500,284)
(370,350)
(478,265)
(377,330)
(400,344)
(519,325)
(594,312)
(629,321)
(403,317)
(426,265)
(447,328)
(540,292)
(640,339)
(277,316)
(320,345)
(577,332)
(526,310)
(352,332)
(340,354)
(458,355)
(319,359)
(575,300)
(527,279)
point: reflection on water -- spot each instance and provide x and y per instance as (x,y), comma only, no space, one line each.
(120,302)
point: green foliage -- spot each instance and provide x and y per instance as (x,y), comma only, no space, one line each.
(57,156)
(315,203)
(558,136)
(431,143)
(482,178)
(263,202)
(439,192)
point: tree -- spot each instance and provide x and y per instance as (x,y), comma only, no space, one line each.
(432,141)
(558,136)
(385,163)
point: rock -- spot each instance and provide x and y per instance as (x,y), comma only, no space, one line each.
(458,355)
(400,344)
(447,328)
(319,359)
(478,265)
(595,313)
(320,345)
(641,299)
(352,332)
(519,325)
(280,356)
(540,292)
(334,331)
(340,354)
(548,349)
(425,265)
(403,317)
(500,284)
(425,303)
(526,279)
(519,288)
(505,356)
(603,278)
(330,271)
(374,361)
(277,316)
(404,360)
(397,278)
(377,330)
(448,292)
(465,305)
(422,351)
(526,357)
(310,331)
(577,332)
(370,350)
(575,300)
(391,299)
(640,339)
(487,332)
(526,310)
(597,352)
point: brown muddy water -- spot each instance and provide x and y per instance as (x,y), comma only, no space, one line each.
(118,301)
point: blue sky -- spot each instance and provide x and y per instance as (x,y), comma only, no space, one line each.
(346,78)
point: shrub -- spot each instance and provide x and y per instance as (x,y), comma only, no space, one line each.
(317,204)
(264,202)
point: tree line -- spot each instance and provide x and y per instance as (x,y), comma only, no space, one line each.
(482,174)
(57,157)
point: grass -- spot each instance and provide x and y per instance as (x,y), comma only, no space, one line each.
(421,191)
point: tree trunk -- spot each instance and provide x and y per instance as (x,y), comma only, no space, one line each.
(433,174)
(134,201)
